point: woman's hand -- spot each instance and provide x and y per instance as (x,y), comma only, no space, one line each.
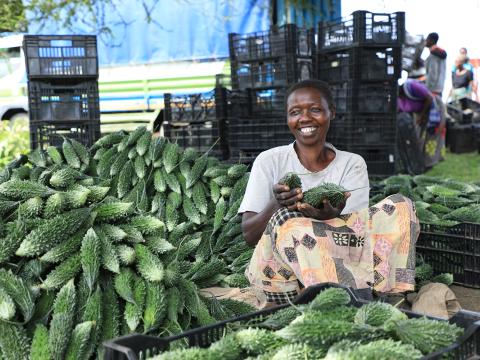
(326,213)
(286,197)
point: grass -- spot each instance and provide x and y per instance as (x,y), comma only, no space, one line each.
(464,167)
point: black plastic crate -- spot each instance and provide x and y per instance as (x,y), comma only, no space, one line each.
(363,97)
(412,50)
(204,136)
(63,102)
(460,115)
(276,42)
(136,346)
(380,158)
(362,129)
(61,56)
(360,63)
(49,133)
(454,250)
(246,157)
(362,28)
(190,107)
(219,103)
(467,103)
(464,111)
(461,138)
(258,134)
(267,103)
(280,72)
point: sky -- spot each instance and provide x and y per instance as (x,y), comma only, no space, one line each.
(457,22)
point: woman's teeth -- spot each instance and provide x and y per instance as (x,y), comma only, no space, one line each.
(308,130)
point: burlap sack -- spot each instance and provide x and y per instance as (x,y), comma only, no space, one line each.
(435,299)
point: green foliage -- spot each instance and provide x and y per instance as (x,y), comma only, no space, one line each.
(14,137)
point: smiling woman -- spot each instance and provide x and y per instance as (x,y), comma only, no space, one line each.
(299,245)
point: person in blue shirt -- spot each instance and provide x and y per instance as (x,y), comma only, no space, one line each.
(466,65)
(462,80)
(472,87)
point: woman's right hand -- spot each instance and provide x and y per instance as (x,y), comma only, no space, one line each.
(287,197)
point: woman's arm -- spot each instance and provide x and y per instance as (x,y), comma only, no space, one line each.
(253,224)
(427,103)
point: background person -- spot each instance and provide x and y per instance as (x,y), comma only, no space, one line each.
(428,111)
(462,79)
(435,65)
(297,245)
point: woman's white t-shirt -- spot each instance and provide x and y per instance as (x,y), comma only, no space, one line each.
(347,169)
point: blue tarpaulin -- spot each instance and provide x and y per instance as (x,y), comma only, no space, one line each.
(174,30)
(145,31)
(307,13)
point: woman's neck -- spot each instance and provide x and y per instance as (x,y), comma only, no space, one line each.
(314,158)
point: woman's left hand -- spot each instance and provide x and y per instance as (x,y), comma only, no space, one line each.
(326,213)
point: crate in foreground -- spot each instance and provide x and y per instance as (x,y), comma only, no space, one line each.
(133,347)
(454,250)
(61,56)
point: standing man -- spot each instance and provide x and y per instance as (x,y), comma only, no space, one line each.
(435,65)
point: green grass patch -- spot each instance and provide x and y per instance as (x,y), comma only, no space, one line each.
(458,166)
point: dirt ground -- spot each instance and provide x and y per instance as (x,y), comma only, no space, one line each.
(469,298)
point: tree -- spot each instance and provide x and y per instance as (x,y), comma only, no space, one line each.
(12,16)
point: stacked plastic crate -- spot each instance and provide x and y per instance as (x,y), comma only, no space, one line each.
(361,58)
(199,121)
(263,65)
(463,127)
(63,97)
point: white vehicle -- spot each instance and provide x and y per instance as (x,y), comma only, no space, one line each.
(13,79)
(129,95)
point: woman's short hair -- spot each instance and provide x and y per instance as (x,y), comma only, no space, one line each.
(319,85)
